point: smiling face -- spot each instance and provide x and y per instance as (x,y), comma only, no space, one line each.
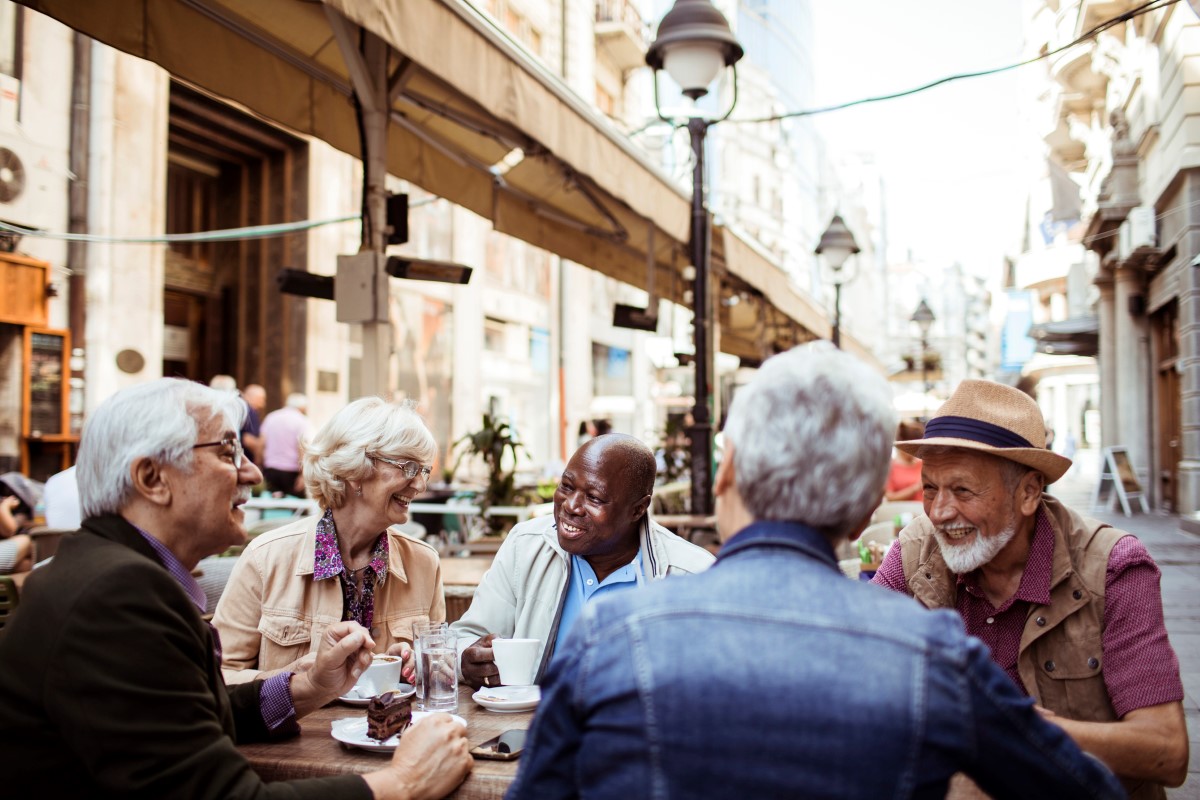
(206,499)
(597,506)
(387,492)
(975,515)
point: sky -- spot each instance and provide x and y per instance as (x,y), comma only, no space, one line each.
(951,156)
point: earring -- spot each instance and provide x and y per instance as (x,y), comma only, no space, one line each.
(358,491)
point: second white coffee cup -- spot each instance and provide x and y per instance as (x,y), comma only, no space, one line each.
(516,659)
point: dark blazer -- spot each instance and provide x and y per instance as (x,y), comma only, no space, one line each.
(109,685)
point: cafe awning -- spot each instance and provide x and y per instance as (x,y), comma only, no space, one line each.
(474,119)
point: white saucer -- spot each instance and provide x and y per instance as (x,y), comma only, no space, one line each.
(352,731)
(352,698)
(508,699)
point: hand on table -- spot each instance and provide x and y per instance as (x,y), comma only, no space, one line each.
(432,759)
(479,664)
(408,665)
(344,652)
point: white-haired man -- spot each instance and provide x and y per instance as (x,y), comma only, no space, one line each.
(1069,606)
(770,674)
(111,685)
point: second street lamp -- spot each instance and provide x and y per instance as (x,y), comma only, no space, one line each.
(837,244)
(694,43)
(924,318)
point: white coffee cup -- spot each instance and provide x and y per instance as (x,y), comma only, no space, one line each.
(382,676)
(516,659)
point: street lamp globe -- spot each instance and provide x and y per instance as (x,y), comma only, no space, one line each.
(923,316)
(837,244)
(693,45)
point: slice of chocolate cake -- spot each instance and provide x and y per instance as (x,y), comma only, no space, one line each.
(387,715)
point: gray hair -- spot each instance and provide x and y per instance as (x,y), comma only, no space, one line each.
(158,420)
(812,436)
(369,426)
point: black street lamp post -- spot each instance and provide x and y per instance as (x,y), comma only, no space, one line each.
(694,43)
(924,318)
(837,244)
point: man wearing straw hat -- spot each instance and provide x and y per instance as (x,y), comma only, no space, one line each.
(1069,606)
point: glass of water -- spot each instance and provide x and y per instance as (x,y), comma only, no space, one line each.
(426,632)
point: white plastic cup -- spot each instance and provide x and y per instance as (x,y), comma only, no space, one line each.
(517,660)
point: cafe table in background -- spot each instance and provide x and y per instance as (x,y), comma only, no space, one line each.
(315,753)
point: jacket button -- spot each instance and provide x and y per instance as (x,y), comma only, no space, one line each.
(1041,621)
(1093,662)
(928,575)
(1049,666)
(1077,594)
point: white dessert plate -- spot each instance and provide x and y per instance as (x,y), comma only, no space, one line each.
(352,731)
(508,699)
(352,697)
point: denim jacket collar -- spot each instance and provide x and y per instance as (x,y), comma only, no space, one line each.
(777,533)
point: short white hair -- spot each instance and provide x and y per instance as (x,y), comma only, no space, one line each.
(812,438)
(370,426)
(158,420)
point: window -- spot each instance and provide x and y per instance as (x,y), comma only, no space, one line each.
(612,373)
(495,334)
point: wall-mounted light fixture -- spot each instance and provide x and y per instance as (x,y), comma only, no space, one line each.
(420,269)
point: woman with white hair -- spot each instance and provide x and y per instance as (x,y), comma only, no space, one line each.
(363,468)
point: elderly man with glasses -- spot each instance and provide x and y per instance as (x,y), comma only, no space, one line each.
(111,684)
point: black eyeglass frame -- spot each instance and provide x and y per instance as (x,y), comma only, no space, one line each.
(410,468)
(238,454)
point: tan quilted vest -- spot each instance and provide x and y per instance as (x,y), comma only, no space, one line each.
(1059,659)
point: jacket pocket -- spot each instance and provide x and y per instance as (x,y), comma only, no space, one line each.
(285,631)
(1071,680)
(400,628)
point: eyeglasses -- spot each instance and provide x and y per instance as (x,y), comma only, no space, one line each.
(233,449)
(409,468)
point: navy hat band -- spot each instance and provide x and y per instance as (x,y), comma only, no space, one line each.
(973,430)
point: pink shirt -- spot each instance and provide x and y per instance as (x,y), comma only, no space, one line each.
(1140,666)
(281,432)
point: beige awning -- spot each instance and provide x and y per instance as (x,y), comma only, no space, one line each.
(475,119)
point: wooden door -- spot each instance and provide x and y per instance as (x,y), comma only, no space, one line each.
(1169,417)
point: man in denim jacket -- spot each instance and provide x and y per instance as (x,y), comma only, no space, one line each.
(771,675)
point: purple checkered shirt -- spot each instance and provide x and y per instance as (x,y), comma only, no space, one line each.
(1140,666)
(275,695)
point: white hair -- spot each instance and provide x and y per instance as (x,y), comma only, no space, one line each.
(812,438)
(370,426)
(158,420)
(297,400)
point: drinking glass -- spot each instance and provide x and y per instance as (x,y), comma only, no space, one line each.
(425,631)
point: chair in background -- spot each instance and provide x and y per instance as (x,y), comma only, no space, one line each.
(9,598)
(45,540)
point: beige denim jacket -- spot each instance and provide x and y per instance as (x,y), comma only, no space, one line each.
(272,611)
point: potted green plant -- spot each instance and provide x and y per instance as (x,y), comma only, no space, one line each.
(490,443)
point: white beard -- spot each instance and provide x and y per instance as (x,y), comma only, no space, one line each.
(964,558)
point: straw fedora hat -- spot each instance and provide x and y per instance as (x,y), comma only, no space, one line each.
(992,418)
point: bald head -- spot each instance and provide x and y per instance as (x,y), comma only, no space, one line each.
(630,456)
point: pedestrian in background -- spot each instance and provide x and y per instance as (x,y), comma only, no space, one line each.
(282,431)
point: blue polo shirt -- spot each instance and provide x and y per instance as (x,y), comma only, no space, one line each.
(584,587)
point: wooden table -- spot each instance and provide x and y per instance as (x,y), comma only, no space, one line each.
(315,753)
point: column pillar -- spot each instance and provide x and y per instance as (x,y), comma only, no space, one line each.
(1107,359)
(1188,489)
(1131,373)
